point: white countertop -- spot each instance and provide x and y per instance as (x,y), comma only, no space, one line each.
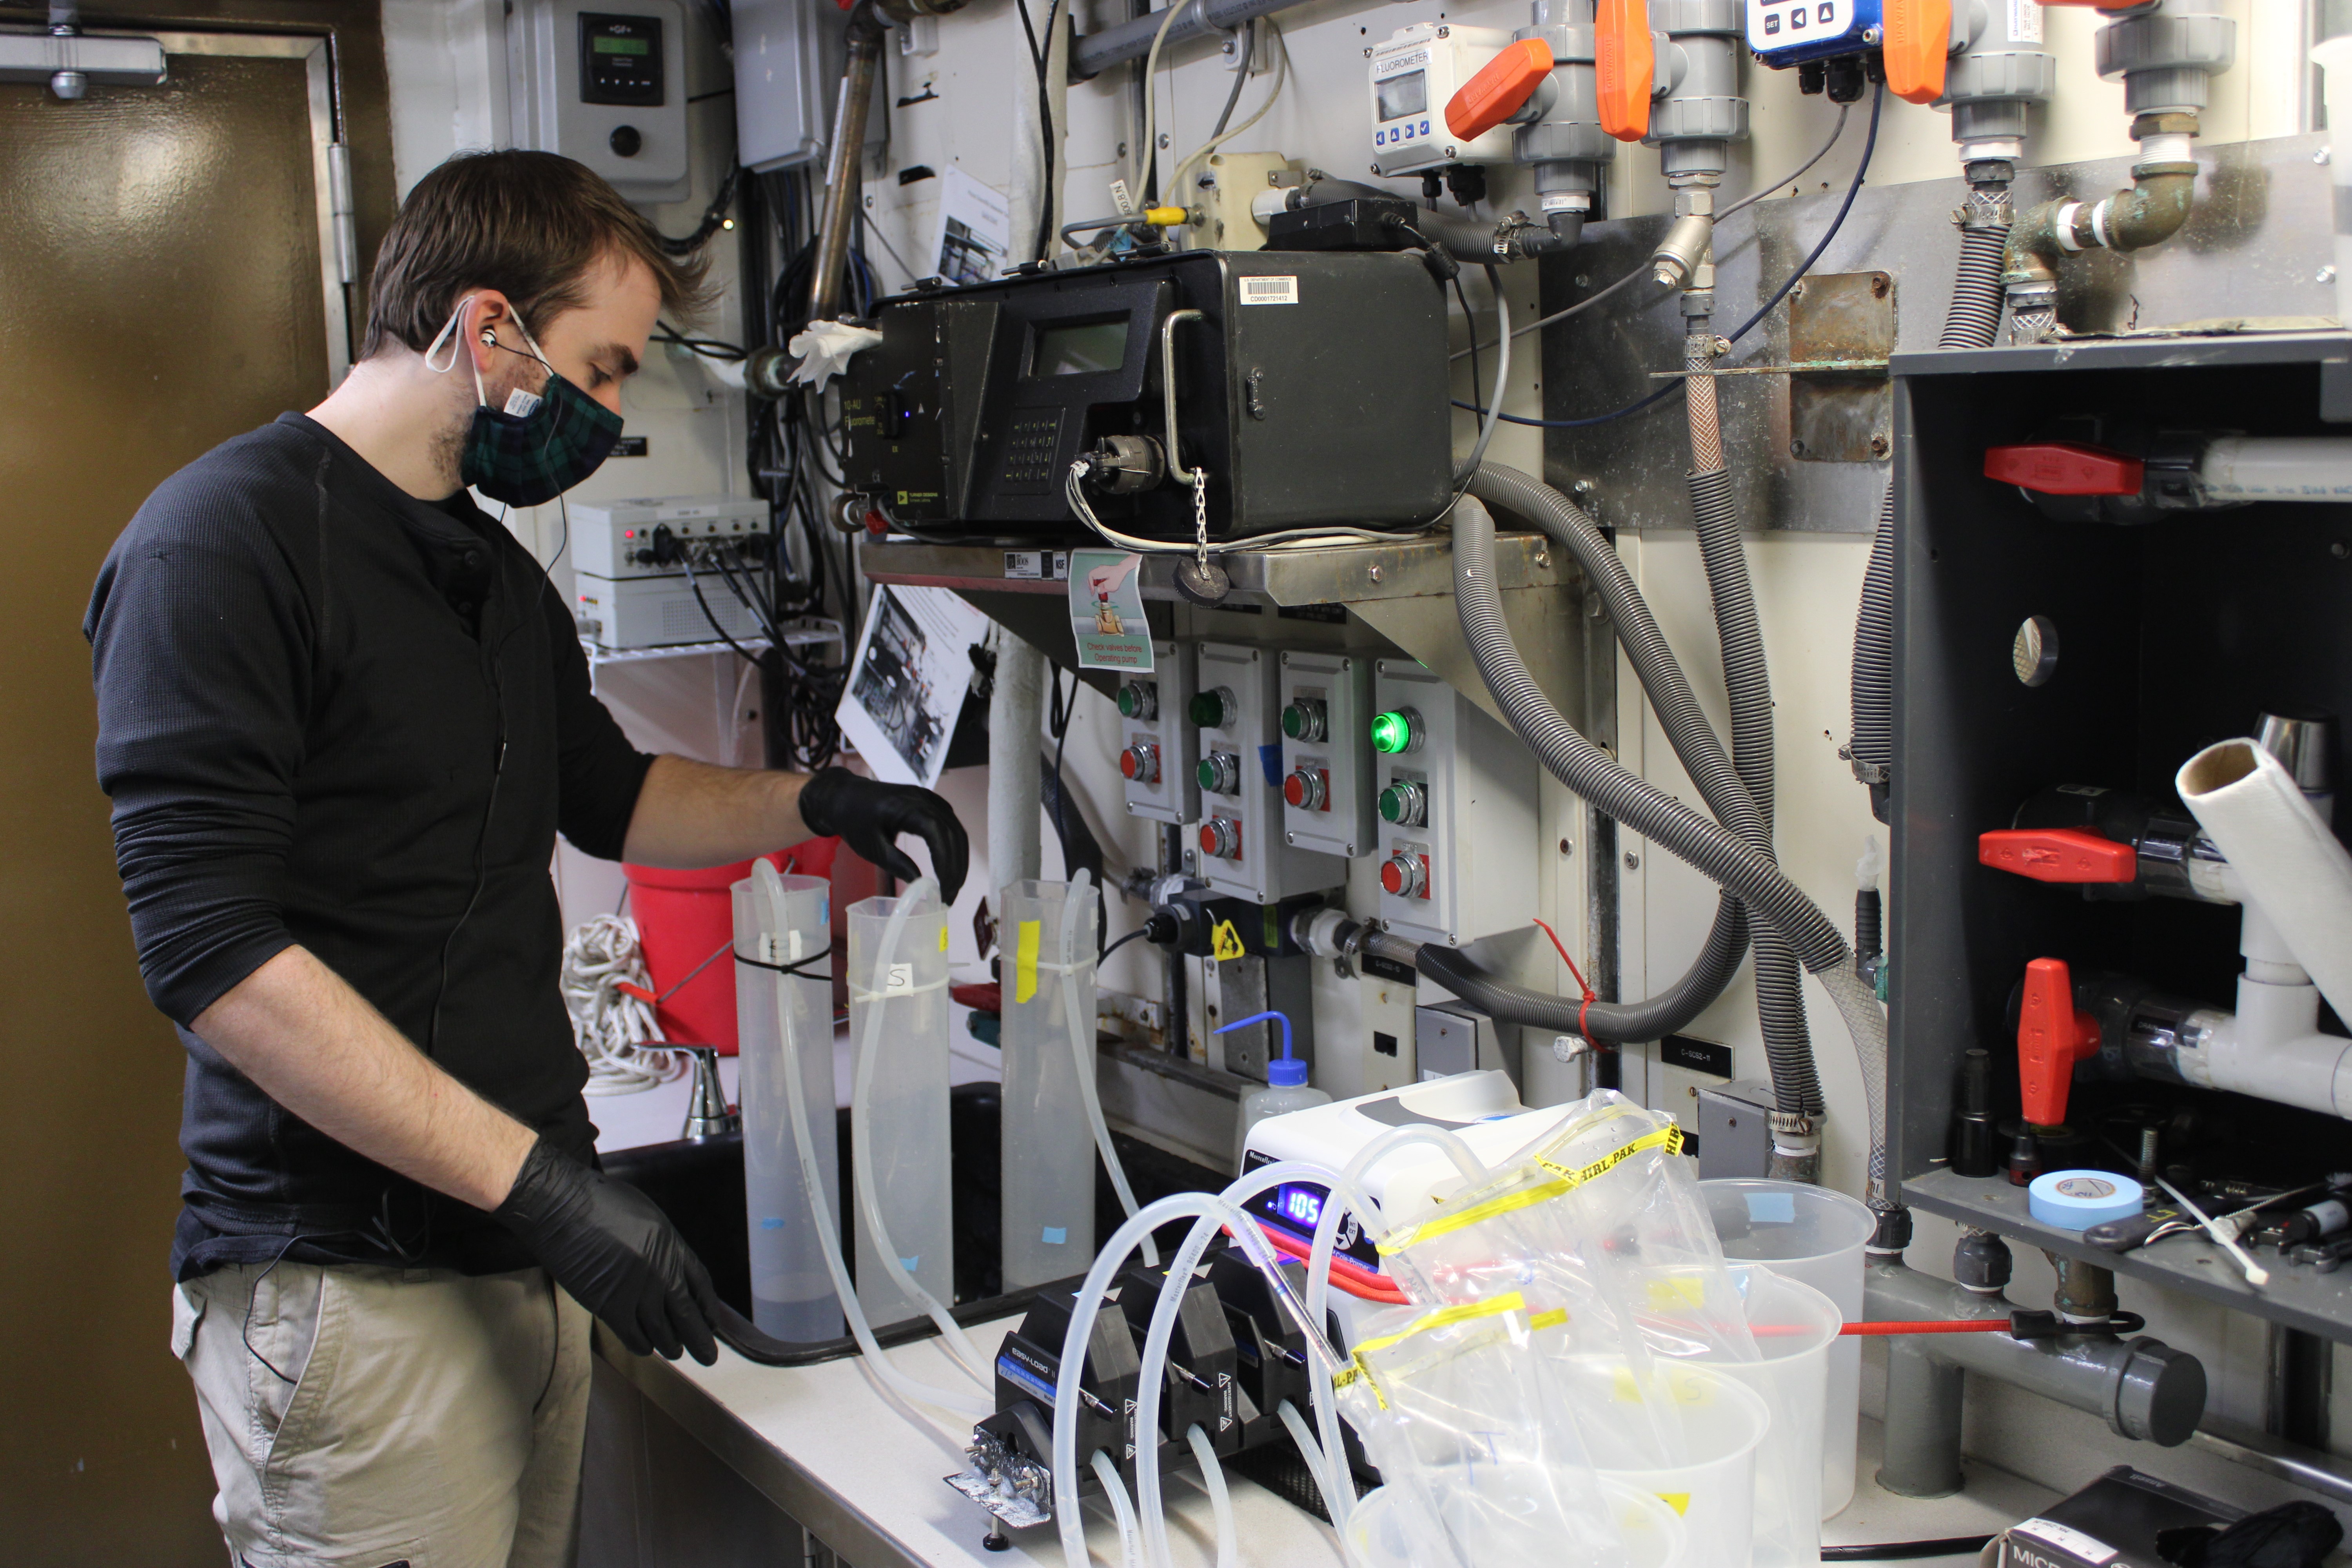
(865,1472)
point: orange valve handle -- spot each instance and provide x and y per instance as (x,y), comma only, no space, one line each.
(1625,65)
(2058,855)
(1500,89)
(1919,37)
(2052,1036)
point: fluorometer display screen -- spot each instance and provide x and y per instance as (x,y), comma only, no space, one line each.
(1302,1207)
(1086,349)
(1403,94)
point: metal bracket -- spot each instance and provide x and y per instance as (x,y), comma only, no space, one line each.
(1841,404)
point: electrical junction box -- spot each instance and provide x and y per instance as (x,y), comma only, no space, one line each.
(1327,753)
(1457,799)
(627,613)
(1226,186)
(1238,729)
(789,58)
(616,538)
(1783,33)
(1451,1038)
(1415,76)
(603,82)
(1159,743)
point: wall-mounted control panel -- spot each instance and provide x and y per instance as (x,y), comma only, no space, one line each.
(1236,711)
(1327,753)
(603,82)
(1159,744)
(1456,796)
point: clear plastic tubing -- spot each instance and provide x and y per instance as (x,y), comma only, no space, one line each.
(828,1231)
(1152,1376)
(792,1292)
(1121,1510)
(1088,1305)
(899,1114)
(1048,1153)
(1221,1497)
(1339,1490)
(1082,1043)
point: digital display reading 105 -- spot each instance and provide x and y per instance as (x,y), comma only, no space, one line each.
(1301,1207)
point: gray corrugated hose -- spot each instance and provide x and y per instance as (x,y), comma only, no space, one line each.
(1675,826)
(1779,996)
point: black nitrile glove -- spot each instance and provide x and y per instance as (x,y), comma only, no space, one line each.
(618,1254)
(870,814)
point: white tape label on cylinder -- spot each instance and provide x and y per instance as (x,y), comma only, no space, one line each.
(2085,1547)
(901,982)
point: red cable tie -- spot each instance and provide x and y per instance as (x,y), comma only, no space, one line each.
(1585,1011)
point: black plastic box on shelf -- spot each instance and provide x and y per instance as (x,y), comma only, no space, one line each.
(1313,391)
(2152,639)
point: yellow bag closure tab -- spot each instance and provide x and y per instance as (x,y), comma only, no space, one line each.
(1564,1180)
(1468,1311)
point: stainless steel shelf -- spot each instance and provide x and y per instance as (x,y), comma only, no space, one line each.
(804,633)
(1344,573)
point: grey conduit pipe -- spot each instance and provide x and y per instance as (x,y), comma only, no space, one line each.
(1680,830)
(1779,996)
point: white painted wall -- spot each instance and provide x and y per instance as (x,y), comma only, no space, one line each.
(448,93)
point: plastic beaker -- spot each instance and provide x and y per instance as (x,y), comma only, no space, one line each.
(1815,1236)
(1723,1422)
(902,1071)
(791,1293)
(1048,1145)
(1796,1331)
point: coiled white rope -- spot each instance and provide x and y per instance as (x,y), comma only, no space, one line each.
(610,1026)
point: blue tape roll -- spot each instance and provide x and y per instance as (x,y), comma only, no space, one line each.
(2076,1200)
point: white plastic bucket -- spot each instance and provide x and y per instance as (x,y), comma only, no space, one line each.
(1815,1236)
(1381,1535)
(1796,1331)
(1723,1423)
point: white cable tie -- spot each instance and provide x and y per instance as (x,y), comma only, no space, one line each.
(857,993)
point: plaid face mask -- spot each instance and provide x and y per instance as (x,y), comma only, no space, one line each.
(536,447)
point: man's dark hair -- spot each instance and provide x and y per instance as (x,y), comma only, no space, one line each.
(530,224)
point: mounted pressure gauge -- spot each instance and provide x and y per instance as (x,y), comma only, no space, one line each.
(1785,33)
(1415,76)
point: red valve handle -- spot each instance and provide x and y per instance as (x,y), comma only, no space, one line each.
(1624,64)
(2052,1036)
(1502,86)
(1918,38)
(2058,855)
(2065,468)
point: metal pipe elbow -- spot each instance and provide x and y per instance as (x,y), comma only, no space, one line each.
(2152,211)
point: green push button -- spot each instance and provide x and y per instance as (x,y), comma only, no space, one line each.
(1393,732)
(1206,773)
(1392,803)
(1130,700)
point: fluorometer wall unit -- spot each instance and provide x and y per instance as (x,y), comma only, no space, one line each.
(1415,76)
(1784,33)
(1309,387)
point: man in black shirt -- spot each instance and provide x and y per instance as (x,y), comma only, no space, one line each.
(342,716)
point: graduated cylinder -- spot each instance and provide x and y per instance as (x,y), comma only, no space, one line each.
(792,1294)
(1048,1039)
(898,1104)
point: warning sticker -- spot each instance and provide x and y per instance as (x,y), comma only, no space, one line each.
(1282,291)
(1225,943)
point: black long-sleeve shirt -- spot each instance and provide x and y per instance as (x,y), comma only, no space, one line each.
(333,715)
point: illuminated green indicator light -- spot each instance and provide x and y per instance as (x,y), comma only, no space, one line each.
(1392,803)
(1391,734)
(1208,711)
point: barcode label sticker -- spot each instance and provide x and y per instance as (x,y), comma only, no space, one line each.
(2083,1546)
(1270,290)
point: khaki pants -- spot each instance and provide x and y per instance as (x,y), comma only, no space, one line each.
(364,1417)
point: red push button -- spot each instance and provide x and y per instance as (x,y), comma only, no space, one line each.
(2058,855)
(2065,469)
(1405,876)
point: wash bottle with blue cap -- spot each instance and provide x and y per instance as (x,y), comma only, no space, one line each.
(1286,1089)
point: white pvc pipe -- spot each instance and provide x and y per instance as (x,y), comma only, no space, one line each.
(2277,467)
(1017,707)
(770,887)
(2284,852)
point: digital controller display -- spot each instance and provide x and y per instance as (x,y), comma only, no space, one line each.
(1303,1206)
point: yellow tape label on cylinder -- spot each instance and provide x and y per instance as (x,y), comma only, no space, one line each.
(943,936)
(1678,1502)
(1024,958)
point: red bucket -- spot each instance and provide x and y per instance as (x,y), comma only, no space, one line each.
(685,922)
